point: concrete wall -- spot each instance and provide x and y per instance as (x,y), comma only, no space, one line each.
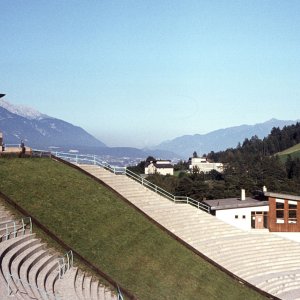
(243,220)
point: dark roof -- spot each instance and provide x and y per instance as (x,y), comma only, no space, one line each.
(282,196)
(163,166)
(2,95)
(229,203)
(159,166)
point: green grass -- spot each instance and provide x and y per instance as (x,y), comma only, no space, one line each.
(294,152)
(112,235)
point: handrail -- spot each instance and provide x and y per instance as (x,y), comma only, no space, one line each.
(64,266)
(14,279)
(95,160)
(120,296)
(16,228)
(12,145)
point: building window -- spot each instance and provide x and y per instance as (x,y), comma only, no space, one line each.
(236,216)
(292,212)
(244,217)
(279,211)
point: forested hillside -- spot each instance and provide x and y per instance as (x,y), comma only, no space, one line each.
(250,165)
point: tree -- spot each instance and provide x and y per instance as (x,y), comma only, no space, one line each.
(195,154)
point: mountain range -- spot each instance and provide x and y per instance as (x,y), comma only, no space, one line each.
(221,139)
(41,131)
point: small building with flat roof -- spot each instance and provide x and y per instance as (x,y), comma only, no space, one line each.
(244,212)
(276,212)
(204,165)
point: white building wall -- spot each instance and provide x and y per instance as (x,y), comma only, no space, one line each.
(204,165)
(165,171)
(244,223)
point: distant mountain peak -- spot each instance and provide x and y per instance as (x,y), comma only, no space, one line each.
(39,130)
(23,111)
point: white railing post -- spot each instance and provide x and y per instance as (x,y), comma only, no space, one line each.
(6,230)
(30,224)
(94,159)
(23,226)
(15,230)
(76,157)
(68,257)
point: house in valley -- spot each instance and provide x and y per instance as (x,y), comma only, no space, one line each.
(204,165)
(163,167)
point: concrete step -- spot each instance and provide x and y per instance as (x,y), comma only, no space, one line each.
(44,277)
(25,269)
(292,294)
(65,287)
(255,271)
(79,285)
(94,290)
(87,287)
(8,267)
(34,277)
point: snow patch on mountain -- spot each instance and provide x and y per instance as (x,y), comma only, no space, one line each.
(23,111)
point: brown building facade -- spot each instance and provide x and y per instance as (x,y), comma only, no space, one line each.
(284,212)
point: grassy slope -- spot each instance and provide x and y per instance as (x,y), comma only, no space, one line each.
(113,235)
(293,151)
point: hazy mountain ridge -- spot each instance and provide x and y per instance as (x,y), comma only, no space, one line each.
(220,139)
(42,131)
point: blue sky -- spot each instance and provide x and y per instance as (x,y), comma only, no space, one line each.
(135,73)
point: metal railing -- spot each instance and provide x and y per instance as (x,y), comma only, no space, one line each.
(120,296)
(94,160)
(12,228)
(12,145)
(65,263)
(12,288)
(40,153)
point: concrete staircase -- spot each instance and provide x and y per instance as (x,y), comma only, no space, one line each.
(269,262)
(31,270)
